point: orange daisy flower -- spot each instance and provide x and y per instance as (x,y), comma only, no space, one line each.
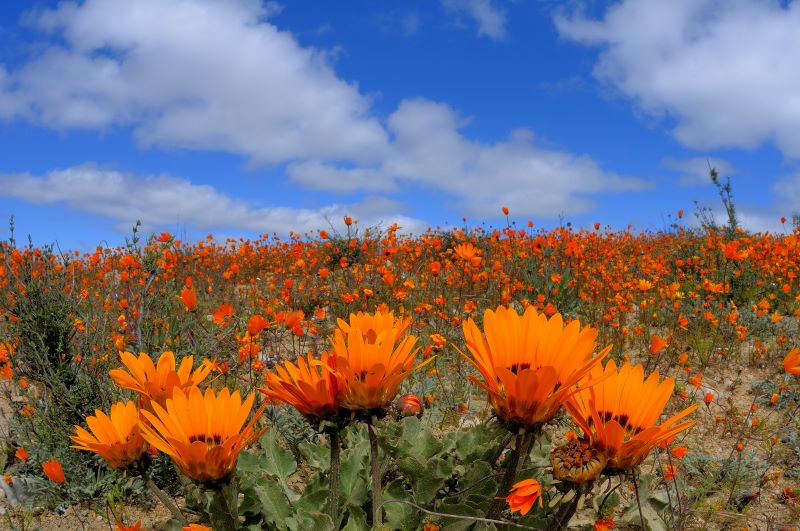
(117,438)
(309,386)
(530,364)
(791,363)
(203,433)
(155,383)
(523,495)
(618,413)
(371,360)
(52,469)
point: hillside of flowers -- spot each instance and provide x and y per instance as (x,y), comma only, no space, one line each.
(364,378)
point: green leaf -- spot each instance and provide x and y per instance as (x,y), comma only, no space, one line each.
(318,457)
(353,475)
(274,504)
(277,460)
(399,515)
(357,521)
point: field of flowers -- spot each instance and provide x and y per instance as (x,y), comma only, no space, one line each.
(361,378)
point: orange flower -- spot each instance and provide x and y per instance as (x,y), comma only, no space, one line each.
(791,363)
(523,494)
(135,527)
(468,253)
(203,434)
(618,413)
(409,405)
(669,472)
(196,527)
(372,359)
(117,439)
(21,454)
(256,324)
(223,314)
(309,386)
(189,298)
(530,364)
(604,524)
(657,344)
(53,471)
(155,383)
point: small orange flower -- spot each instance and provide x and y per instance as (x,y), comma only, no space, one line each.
(791,363)
(679,451)
(604,524)
(523,494)
(256,324)
(409,405)
(189,298)
(669,472)
(52,469)
(196,527)
(21,454)
(657,344)
(223,314)
(708,398)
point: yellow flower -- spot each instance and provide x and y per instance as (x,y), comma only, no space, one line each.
(117,438)
(203,434)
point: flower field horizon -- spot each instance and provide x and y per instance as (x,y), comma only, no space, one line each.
(366,378)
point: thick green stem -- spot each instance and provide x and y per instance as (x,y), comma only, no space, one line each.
(377,494)
(508,478)
(166,501)
(334,480)
(224,511)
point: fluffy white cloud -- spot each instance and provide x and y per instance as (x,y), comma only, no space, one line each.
(163,201)
(725,71)
(217,75)
(491,19)
(199,74)
(695,171)
(429,151)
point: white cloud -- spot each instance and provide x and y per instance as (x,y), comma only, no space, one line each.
(725,71)
(491,19)
(161,201)
(199,74)
(217,75)
(695,171)
(428,150)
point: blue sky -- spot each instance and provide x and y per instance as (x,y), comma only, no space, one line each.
(242,117)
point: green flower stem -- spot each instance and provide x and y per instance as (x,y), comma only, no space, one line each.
(377,494)
(224,511)
(165,500)
(508,479)
(333,476)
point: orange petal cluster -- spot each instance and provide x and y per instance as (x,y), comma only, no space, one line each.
(530,364)
(116,438)
(203,433)
(619,412)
